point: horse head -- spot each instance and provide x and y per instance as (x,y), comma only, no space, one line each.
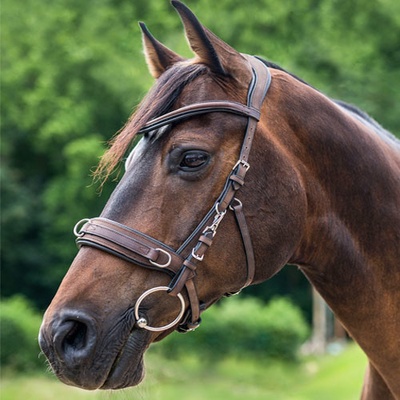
(154,260)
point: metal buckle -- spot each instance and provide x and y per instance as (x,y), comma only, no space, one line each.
(79,225)
(141,322)
(196,256)
(162,265)
(244,163)
(189,326)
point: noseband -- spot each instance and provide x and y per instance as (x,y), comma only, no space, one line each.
(140,249)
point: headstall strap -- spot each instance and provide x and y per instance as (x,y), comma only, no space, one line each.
(143,250)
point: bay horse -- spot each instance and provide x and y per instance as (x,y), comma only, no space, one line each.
(191,221)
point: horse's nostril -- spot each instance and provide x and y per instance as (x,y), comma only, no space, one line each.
(74,338)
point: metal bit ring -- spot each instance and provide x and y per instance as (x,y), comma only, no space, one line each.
(142,322)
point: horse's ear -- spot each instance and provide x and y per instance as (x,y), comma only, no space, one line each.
(158,57)
(209,49)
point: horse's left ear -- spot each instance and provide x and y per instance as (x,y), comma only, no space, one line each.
(209,49)
(158,57)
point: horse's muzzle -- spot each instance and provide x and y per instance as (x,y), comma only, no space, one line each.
(82,355)
(69,342)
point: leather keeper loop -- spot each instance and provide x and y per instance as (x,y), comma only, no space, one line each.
(237,179)
(190,265)
(206,240)
(180,280)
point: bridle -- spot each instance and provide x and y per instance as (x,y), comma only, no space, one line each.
(143,250)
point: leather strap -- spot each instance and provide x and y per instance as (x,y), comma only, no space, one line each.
(246,239)
(129,244)
(200,108)
(255,97)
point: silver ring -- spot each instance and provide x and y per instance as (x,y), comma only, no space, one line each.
(220,213)
(142,322)
(79,225)
(239,203)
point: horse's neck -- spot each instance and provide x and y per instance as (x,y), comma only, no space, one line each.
(350,249)
(352,181)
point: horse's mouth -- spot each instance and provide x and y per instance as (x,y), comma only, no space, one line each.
(128,367)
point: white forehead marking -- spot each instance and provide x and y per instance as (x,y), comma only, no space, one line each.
(157,133)
(138,150)
(135,154)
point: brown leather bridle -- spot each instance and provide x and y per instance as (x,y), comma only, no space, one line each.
(140,249)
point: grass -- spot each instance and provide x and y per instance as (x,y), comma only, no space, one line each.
(328,378)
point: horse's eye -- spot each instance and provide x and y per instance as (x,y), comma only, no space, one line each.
(193,160)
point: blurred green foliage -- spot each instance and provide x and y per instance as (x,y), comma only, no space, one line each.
(19,327)
(243,328)
(72,71)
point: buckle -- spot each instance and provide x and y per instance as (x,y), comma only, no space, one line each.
(245,164)
(196,256)
(162,265)
(188,326)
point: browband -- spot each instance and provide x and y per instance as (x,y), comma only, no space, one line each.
(205,107)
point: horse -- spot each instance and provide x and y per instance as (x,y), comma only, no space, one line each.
(241,169)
